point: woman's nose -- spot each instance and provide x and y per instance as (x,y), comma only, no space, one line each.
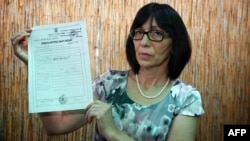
(145,40)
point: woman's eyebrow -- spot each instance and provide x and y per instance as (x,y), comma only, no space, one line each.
(155,27)
(151,28)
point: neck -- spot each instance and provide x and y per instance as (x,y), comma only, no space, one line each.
(149,79)
(150,96)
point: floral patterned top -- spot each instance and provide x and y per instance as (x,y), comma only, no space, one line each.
(145,123)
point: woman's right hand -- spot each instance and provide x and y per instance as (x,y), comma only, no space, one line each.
(19,42)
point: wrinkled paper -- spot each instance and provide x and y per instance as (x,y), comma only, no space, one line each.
(59,76)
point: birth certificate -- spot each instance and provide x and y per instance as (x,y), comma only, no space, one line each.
(59,76)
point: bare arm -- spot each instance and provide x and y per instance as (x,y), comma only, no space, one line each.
(62,122)
(183,128)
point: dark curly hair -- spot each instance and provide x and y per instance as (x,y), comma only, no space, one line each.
(170,21)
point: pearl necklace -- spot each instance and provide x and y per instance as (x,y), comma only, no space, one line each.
(150,97)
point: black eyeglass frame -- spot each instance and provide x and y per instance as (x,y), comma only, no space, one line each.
(132,33)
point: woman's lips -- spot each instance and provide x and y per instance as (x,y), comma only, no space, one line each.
(144,55)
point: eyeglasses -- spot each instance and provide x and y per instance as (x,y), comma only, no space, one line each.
(153,35)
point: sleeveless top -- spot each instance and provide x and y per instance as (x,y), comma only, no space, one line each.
(145,123)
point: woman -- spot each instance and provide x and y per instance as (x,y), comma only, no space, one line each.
(147,102)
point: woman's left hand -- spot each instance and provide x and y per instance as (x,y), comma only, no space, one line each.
(102,112)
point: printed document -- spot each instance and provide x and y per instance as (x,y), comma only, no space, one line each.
(59,76)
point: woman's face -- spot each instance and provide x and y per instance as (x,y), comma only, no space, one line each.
(150,54)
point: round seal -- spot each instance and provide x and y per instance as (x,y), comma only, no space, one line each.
(63,99)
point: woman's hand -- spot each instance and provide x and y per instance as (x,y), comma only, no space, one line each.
(102,113)
(19,42)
